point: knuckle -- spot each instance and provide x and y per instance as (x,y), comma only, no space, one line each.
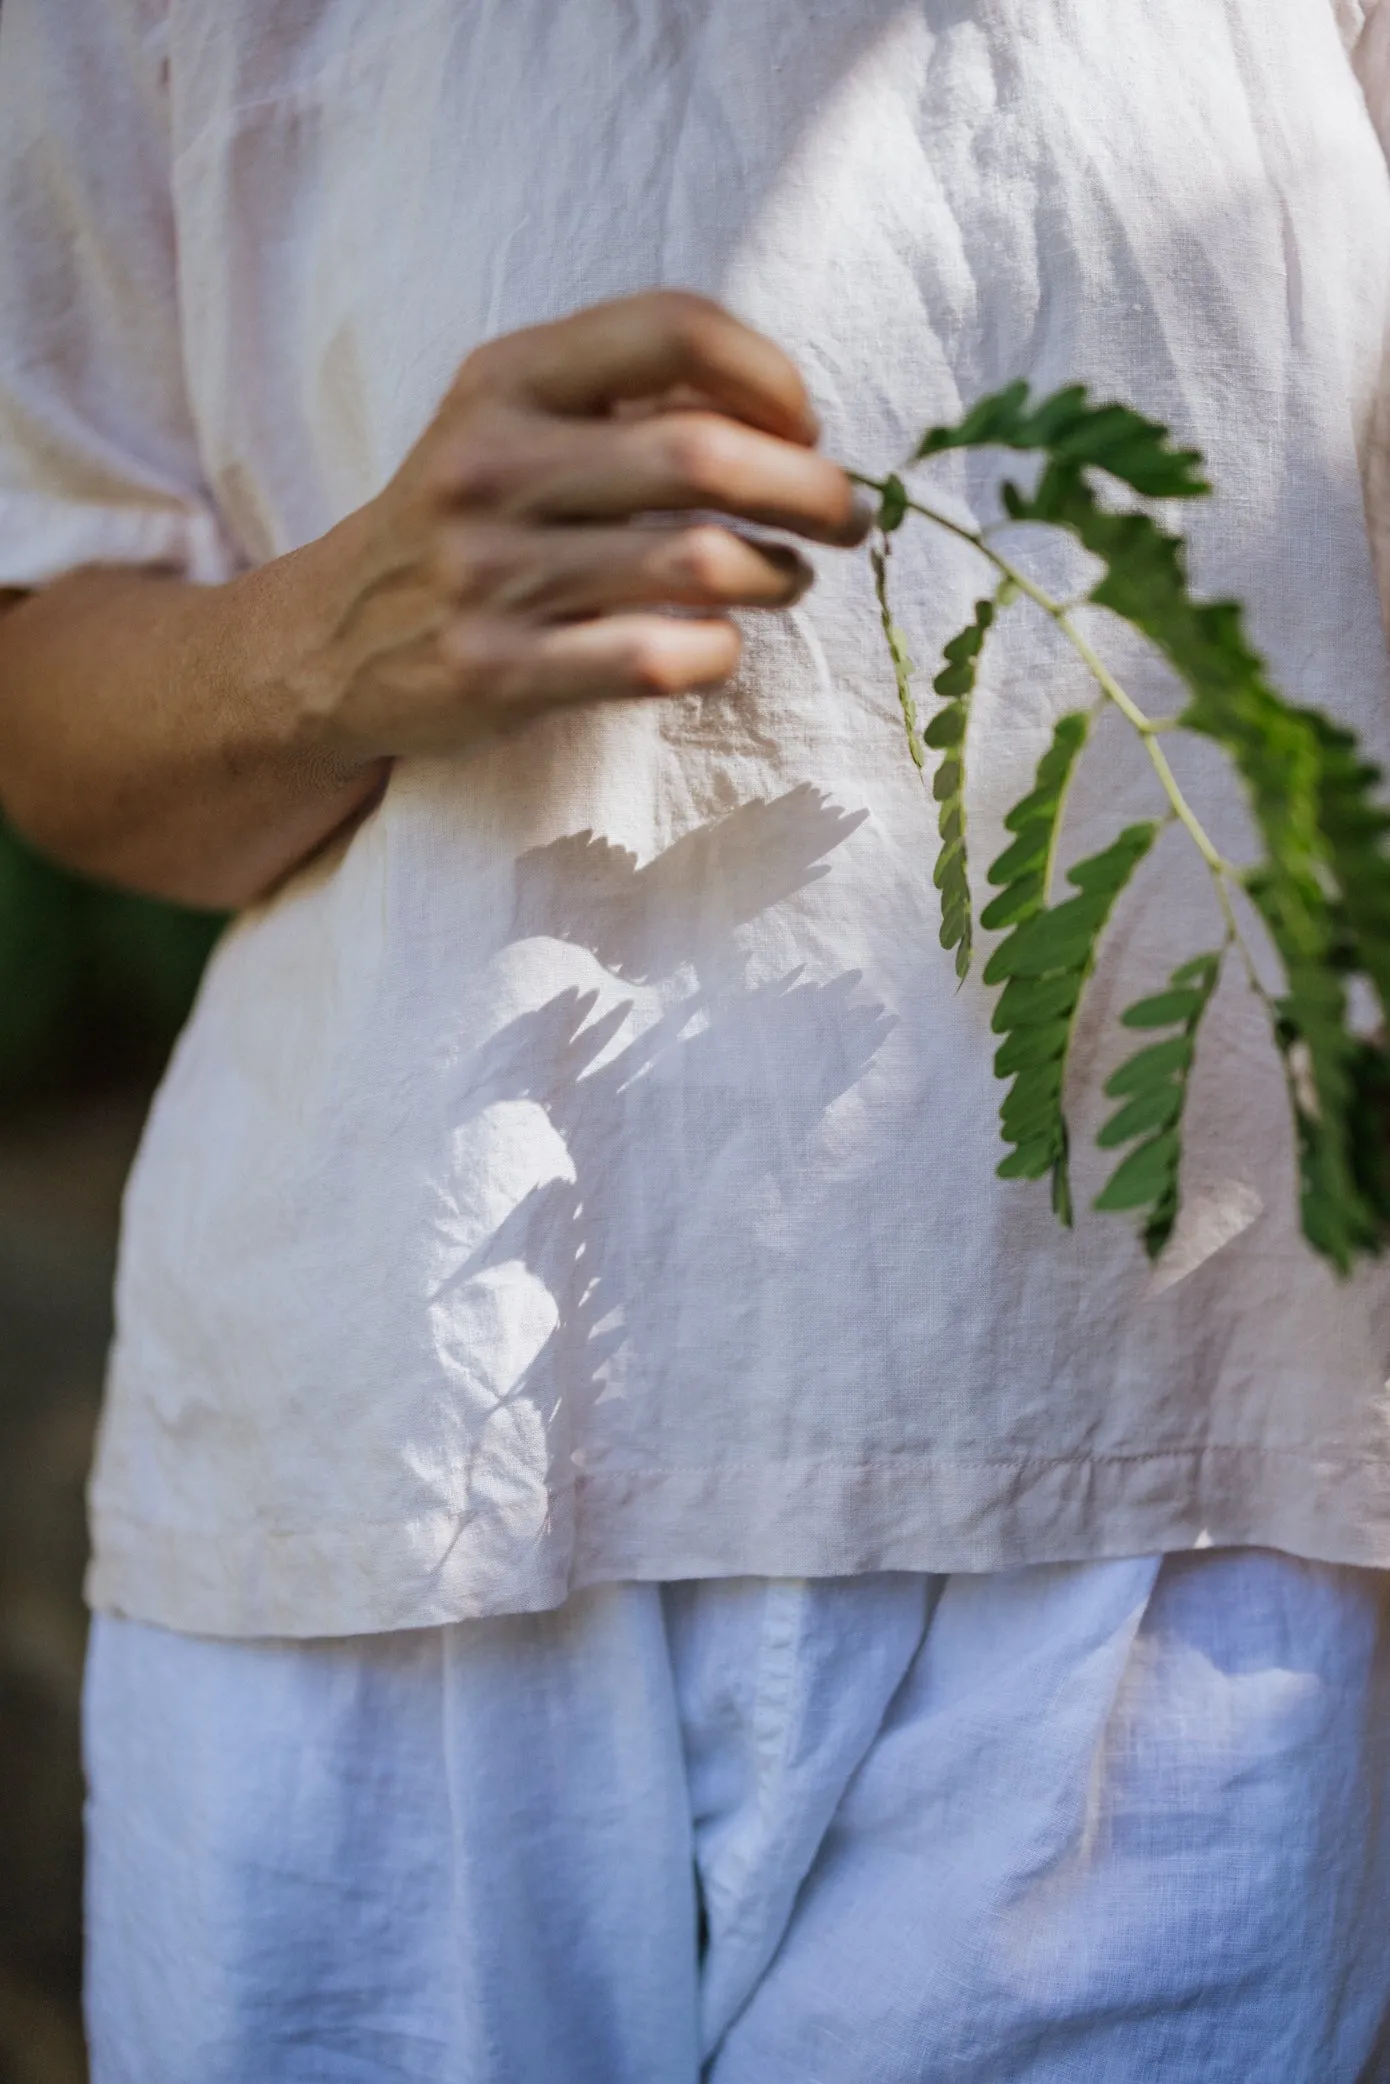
(480,370)
(452,569)
(701,560)
(470,567)
(649,668)
(475,661)
(697,454)
(682,314)
(478,470)
(457,653)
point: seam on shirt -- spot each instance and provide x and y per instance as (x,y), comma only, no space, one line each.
(598,1478)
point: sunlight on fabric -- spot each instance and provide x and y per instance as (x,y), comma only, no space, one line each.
(1209,1221)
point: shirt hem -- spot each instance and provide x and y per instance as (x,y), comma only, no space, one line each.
(915,1513)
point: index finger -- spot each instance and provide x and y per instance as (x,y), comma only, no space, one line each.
(642,346)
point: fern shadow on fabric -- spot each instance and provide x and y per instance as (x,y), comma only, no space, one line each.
(715,1089)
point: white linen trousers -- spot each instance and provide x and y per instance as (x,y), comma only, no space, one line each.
(1105,1822)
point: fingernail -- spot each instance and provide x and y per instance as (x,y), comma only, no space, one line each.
(799,570)
(862,510)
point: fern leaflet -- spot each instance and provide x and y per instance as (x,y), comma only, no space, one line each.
(1044,960)
(1152,1089)
(1075,432)
(946,732)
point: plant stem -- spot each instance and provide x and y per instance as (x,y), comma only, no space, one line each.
(902,664)
(1222,872)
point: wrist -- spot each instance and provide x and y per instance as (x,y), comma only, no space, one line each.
(287,628)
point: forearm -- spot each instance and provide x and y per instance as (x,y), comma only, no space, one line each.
(200,742)
(151,734)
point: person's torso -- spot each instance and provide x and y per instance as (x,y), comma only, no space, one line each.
(607,1106)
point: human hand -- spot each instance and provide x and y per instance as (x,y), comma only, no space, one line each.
(521,557)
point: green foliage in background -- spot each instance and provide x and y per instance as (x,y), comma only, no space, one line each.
(1320,889)
(94,984)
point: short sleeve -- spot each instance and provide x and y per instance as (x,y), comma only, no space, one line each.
(98,453)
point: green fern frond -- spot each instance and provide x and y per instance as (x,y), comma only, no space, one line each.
(946,734)
(1316,880)
(1321,888)
(1152,1089)
(1023,871)
(1356,827)
(1052,951)
(1044,960)
(1326,1065)
(1074,431)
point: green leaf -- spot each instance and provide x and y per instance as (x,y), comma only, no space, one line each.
(945,863)
(948,779)
(993,419)
(1107,872)
(1040,1089)
(1153,1085)
(1163,1009)
(1029,1001)
(1044,960)
(1202,971)
(946,733)
(1061,1183)
(1157,1108)
(964,650)
(1054,772)
(1031,1160)
(1370,1074)
(892,506)
(1141,1177)
(1152,1066)
(1055,939)
(1029,852)
(1032,1045)
(1077,432)
(1024,867)
(1356,827)
(1022,897)
(947,728)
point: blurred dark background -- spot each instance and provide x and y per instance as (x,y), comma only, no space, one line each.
(93,988)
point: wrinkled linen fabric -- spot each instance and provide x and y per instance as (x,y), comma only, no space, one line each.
(1082,1822)
(587,1171)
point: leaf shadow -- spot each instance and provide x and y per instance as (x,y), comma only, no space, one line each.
(685,905)
(683,1122)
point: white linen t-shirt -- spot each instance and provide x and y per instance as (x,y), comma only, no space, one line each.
(587,1170)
